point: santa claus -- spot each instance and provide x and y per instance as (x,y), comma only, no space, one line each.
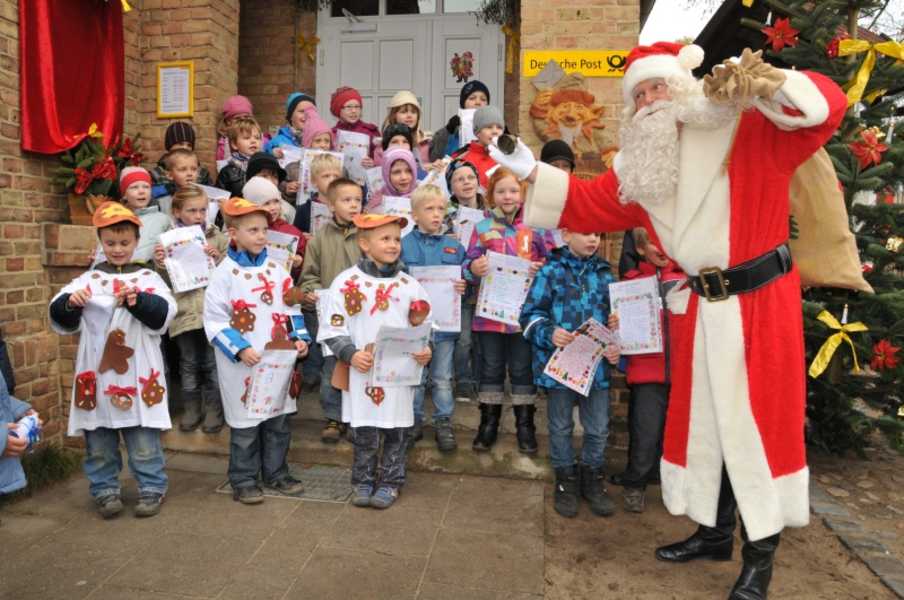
(704,166)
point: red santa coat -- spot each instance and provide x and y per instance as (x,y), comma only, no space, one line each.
(738,384)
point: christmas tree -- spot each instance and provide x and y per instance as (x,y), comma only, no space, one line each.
(852,398)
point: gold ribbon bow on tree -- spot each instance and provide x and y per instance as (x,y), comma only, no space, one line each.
(828,348)
(858,84)
(512,43)
(308,46)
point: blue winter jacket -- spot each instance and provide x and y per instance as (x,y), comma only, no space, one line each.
(567,291)
(12,477)
(421,249)
(284,137)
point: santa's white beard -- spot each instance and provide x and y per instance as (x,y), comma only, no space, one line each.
(648,165)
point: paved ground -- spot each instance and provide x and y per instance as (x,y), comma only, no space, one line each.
(449,537)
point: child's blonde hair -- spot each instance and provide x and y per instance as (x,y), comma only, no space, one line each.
(182,195)
(325,162)
(416,132)
(242,124)
(169,159)
(427,192)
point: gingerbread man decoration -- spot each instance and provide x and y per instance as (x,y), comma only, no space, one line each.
(354,297)
(279,335)
(242,317)
(151,391)
(116,354)
(384,295)
(376,394)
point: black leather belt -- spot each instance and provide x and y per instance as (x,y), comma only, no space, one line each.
(716,285)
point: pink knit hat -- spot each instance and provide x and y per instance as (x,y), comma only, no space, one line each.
(130,175)
(237,105)
(314,126)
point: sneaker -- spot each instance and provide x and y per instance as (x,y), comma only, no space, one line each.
(363,493)
(287,486)
(109,506)
(148,504)
(445,437)
(634,499)
(250,494)
(331,433)
(384,497)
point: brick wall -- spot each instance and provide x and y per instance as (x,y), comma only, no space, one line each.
(271,64)
(205,31)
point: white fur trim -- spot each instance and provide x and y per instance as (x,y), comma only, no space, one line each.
(690,56)
(651,67)
(545,200)
(722,428)
(797,92)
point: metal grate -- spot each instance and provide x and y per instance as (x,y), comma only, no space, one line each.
(321,484)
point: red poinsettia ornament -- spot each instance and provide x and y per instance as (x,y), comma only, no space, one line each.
(868,149)
(781,34)
(125,151)
(885,356)
(83,179)
(106,169)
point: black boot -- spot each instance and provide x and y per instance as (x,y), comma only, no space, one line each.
(712,543)
(489,427)
(593,490)
(191,415)
(526,432)
(753,582)
(566,494)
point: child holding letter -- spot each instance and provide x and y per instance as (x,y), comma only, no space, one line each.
(347,105)
(245,312)
(120,309)
(197,363)
(502,347)
(262,192)
(325,169)
(427,246)
(399,177)
(570,288)
(333,250)
(375,292)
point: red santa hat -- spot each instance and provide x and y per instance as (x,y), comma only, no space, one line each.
(667,60)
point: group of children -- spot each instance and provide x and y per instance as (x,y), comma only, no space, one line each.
(350,276)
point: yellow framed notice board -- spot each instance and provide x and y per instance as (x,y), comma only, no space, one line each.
(175,89)
(589,63)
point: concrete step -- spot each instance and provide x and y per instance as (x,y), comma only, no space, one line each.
(503,460)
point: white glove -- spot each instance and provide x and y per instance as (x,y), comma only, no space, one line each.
(521,162)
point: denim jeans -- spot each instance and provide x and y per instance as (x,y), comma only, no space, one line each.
(103,461)
(391,469)
(438,376)
(501,352)
(646,420)
(594,414)
(467,356)
(330,397)
(312,365)
(259,450)
(197,363)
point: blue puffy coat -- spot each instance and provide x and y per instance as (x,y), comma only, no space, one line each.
(12,477)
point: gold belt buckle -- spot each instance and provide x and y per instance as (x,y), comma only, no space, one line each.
(723,285)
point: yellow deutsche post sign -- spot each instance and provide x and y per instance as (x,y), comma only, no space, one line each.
(589,63)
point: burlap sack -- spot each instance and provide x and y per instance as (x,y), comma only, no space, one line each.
(824,248)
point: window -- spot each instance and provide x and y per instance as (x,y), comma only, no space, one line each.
(461,6)
(361,8)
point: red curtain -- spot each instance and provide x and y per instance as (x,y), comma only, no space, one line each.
(71,71)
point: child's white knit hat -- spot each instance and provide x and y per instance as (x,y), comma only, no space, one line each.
(260,190)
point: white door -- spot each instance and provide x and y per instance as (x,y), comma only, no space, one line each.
(379,51)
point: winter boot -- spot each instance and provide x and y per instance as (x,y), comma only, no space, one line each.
(711,543)
(566,494)
(213,413)
(445,437)
(524,422)
(489,427)
(635,500)
(593,490)
(753,583)
(191,415)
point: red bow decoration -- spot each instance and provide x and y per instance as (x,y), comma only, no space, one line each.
(383,295)
(106,169)
(350,287)
(242,305)
(286,285)
(125,150)
(115,390)
(869,150)
(267,286)
(150,380)
(781,34)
